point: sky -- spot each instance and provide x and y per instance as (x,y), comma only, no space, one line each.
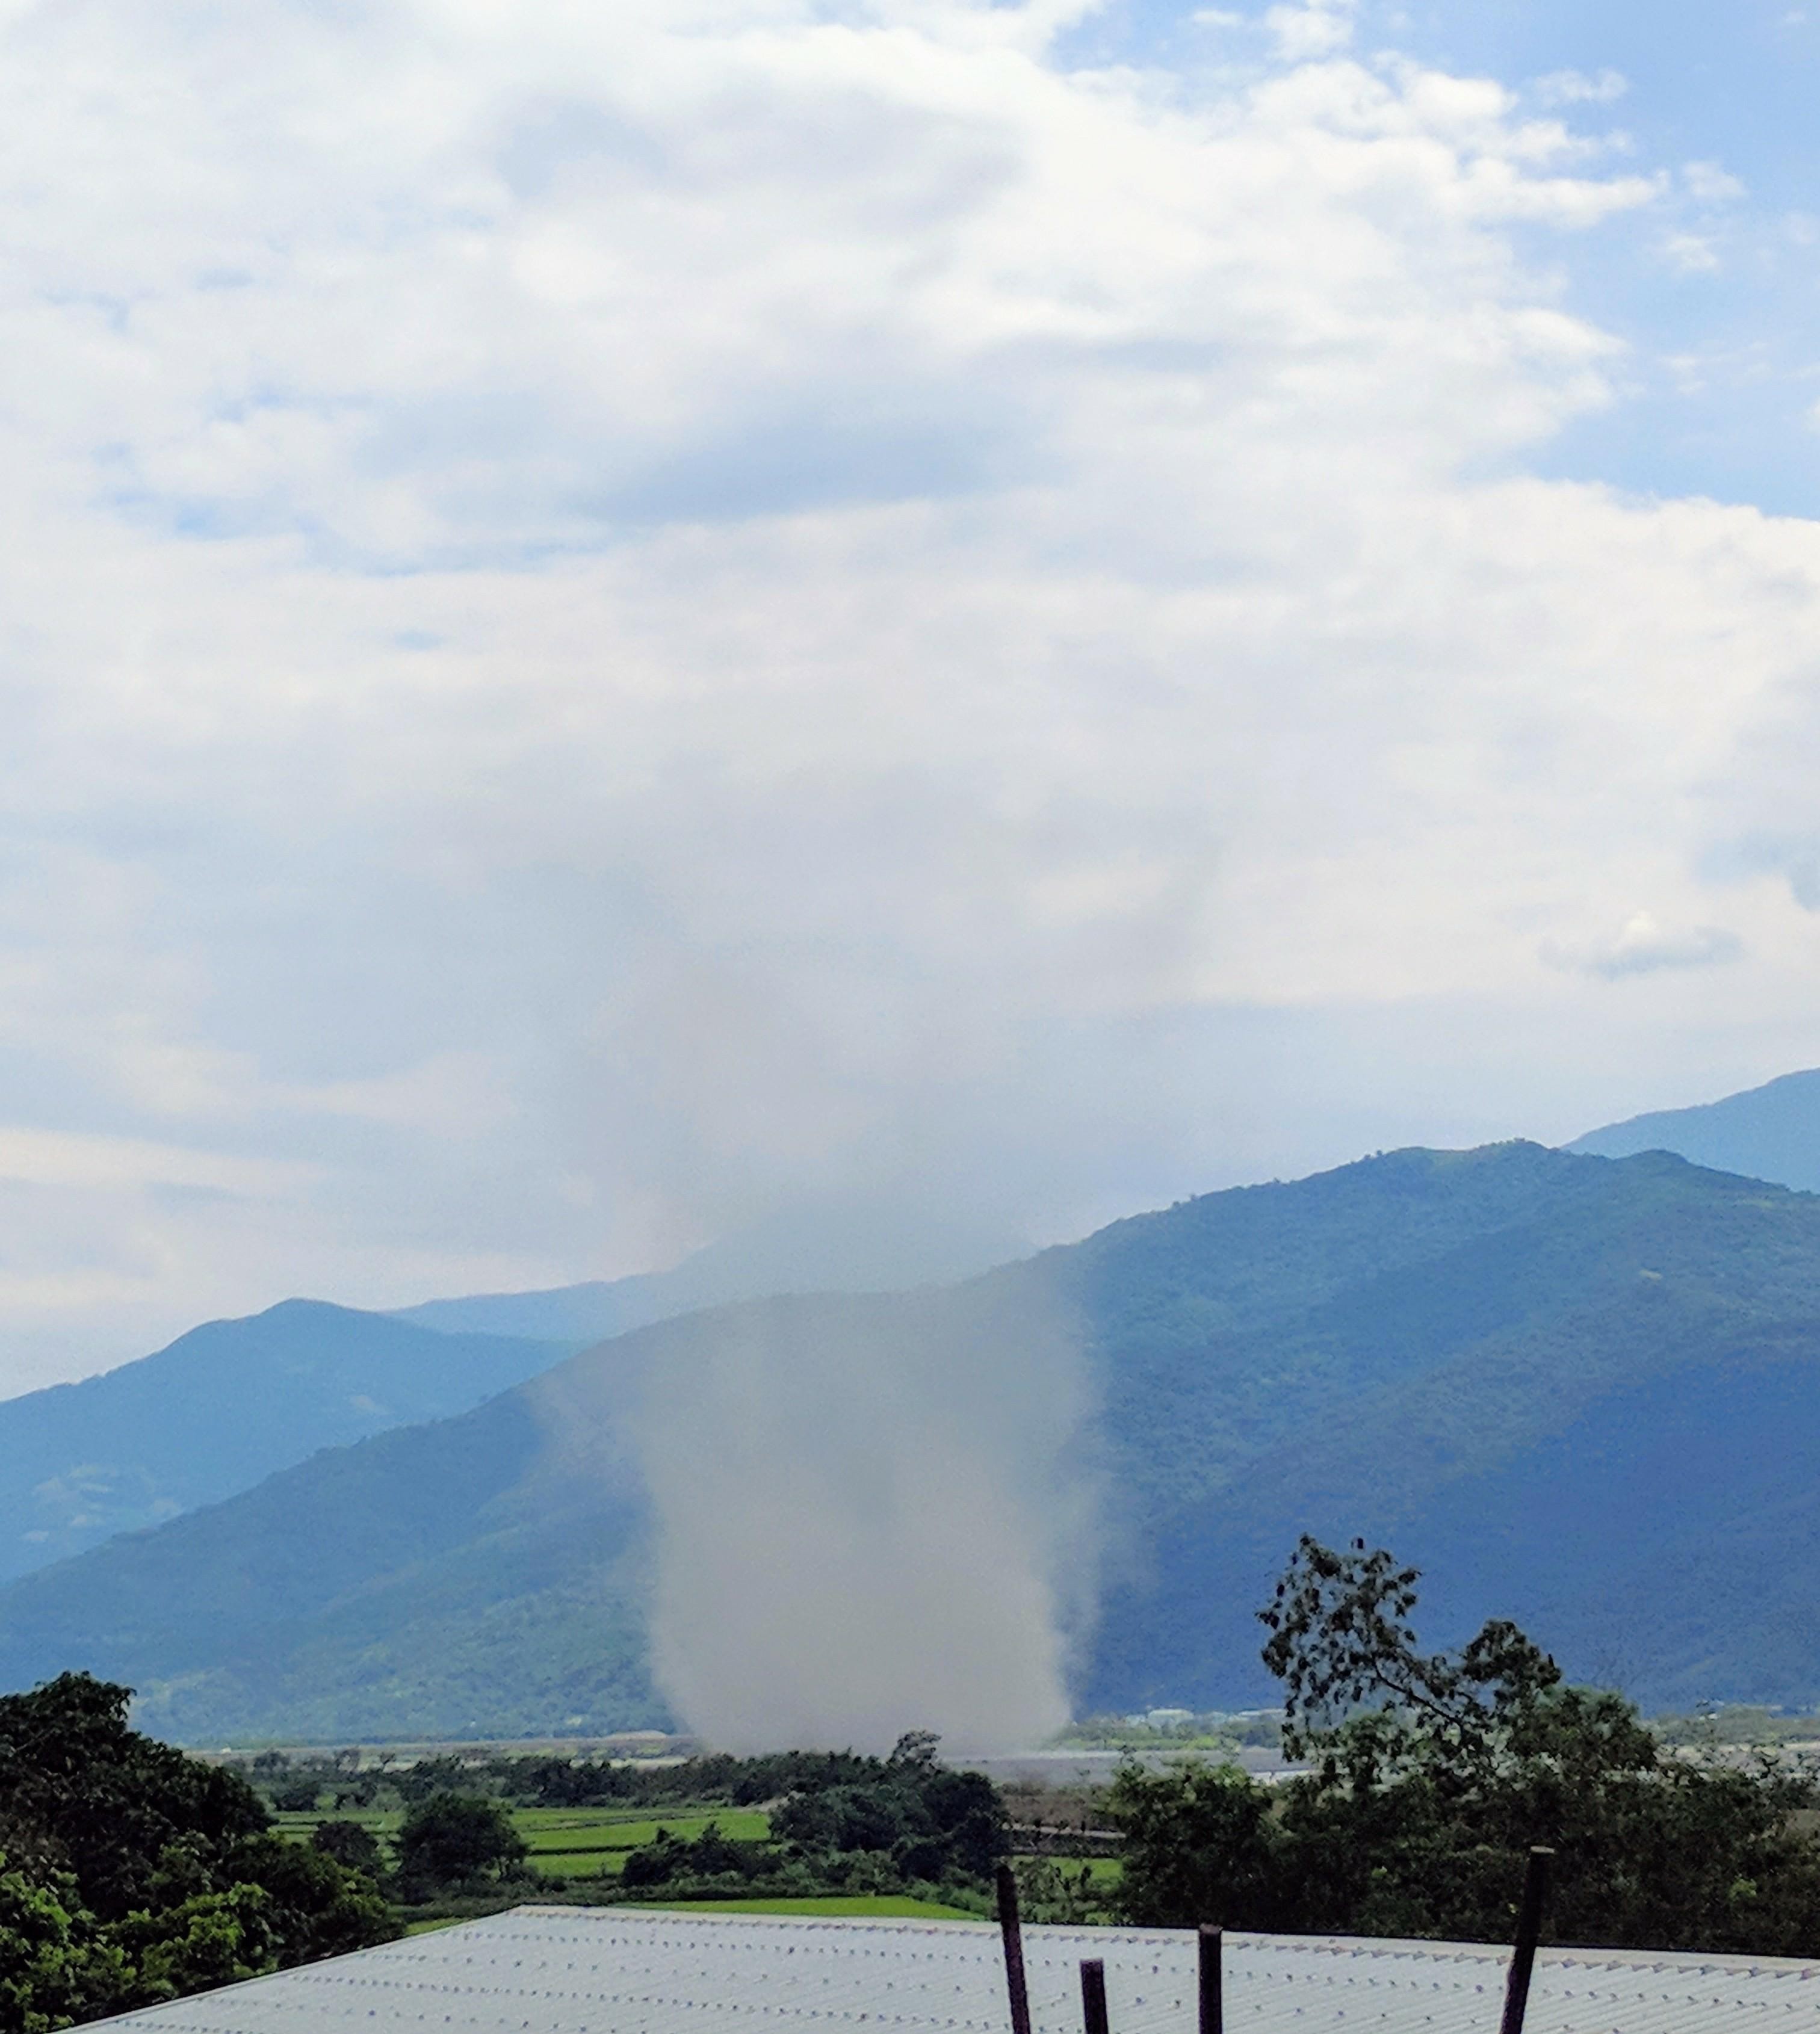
(614,619)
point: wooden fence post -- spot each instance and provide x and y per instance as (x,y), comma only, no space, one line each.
(1213,2007)
(1009,1929)
(1529,1933)
(1093,1996)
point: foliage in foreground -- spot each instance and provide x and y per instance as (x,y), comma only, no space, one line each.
(1432,1775)
(130,1873)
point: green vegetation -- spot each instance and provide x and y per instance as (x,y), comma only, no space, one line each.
(459,1835)
(1432,1776)
(1741,1725)
(455,1843)
(130,1873)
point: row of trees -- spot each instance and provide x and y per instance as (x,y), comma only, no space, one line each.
(543,1781)
(1432,1774)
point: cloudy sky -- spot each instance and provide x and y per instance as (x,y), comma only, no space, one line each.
(615,616)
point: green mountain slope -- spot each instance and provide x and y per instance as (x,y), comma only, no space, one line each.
(1622,1452)
(222,1408)
(1771,1133)
(1584,1392)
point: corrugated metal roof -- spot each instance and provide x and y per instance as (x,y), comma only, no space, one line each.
(567,1970)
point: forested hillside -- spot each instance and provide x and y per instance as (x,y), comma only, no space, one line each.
(1583,1393)
(222,1408)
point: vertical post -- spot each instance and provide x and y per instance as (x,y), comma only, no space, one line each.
(1529,1932)
(1016,1989)
(1093,1996)
(1213,2008)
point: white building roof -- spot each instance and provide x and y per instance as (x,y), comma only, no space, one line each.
(567,1970)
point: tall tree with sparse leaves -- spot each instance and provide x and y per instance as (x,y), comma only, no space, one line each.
(1432,1774)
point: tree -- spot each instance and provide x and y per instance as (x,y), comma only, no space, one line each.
(1432,1774)
(53,1968)
(352,1844)
(452,1840)
(208,1939)
(110,1799)
(140,1874)
(933,1822)
(321,1906)
(1341,1640)
(1199,1846)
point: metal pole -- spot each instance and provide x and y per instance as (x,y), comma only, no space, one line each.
(1093,1996)
(1013,1941)
(1529,1932)
(1212,2006)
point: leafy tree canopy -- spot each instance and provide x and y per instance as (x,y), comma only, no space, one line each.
(138,1875)
(1431,1775)
(449,1841)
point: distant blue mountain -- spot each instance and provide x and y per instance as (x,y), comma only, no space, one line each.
(223,1408)
(866,1244)
(585,1313)
(232,1402)
(1771,1133)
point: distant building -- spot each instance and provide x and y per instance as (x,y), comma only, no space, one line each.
(569,1970)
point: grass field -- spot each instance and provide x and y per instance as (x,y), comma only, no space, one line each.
(567,1843)
(581,1843)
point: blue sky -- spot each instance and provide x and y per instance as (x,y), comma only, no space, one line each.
(616,620)
(1724,371)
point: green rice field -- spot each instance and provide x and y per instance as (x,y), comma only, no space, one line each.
(567,1843)
(570,1845)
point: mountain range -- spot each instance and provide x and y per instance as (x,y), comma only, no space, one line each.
(233,1402)
(1576,1390)
(1771,1133)
(221,1408)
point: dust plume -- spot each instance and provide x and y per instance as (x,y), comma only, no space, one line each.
(872,1515)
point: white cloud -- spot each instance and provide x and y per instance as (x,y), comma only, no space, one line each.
(55,1158)
(1692,253)
(1578,88)
(1643,947)
(1311,28)
(1710,183)
(613,614)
